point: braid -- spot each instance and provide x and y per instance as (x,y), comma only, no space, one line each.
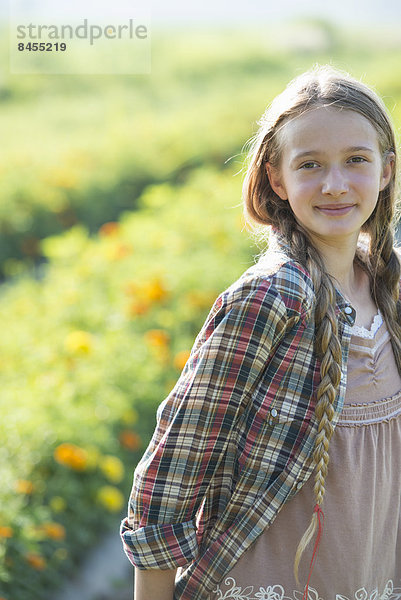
(328,349)
(384,269)
(385,277)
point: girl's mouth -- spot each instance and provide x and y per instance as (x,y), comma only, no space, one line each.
(334,211)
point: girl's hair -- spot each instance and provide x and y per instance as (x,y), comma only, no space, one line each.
(323,86)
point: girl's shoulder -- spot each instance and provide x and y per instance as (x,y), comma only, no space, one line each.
(278,274)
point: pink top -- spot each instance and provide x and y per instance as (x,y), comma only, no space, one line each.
(359,556)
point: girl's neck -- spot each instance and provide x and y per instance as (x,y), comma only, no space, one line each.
(339,260)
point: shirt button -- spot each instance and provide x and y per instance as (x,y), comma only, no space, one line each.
(273,412)
(299,485)
(350,314)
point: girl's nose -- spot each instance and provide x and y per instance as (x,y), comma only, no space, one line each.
(334,182)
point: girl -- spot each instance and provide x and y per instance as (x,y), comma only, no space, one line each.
(304,345)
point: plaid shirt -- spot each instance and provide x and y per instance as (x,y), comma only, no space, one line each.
(234,438)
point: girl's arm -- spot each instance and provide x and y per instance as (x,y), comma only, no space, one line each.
(154,584)
(195,422)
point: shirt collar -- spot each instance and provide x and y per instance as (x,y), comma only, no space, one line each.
(344,309)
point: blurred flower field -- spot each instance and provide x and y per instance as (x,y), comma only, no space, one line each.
(88,354)
(125,195)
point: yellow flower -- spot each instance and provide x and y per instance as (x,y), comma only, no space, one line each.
(112,467)
(111,498)
(22,486)
(71,456)
(57,503)
(79,342)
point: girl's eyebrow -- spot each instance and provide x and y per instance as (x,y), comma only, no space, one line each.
(346,150)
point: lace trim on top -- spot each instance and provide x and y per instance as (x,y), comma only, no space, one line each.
(368,333)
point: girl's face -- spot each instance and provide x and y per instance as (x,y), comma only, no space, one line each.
(331,172)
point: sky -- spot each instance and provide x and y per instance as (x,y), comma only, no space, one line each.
(216,13)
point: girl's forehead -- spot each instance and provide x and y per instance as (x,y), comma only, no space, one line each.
(328,127)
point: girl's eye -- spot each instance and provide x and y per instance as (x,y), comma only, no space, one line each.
(354,159)
(358,159)
(307,165)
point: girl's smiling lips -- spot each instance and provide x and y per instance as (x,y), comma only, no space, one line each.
(335,209)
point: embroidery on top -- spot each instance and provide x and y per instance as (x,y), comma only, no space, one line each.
(277,592)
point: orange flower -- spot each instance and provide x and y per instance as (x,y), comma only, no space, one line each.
(71,456)
(6,532)
(157,338)
(138,308)
(130,440)
(55,531)
(36,561)
(110,228)
(155,290)
(180,359)
(23,486)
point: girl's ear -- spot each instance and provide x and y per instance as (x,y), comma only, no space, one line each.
(274,176)
(387,170)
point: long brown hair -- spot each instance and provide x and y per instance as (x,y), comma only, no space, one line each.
(317,87)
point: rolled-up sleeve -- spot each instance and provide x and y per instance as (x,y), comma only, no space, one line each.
(195,421)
